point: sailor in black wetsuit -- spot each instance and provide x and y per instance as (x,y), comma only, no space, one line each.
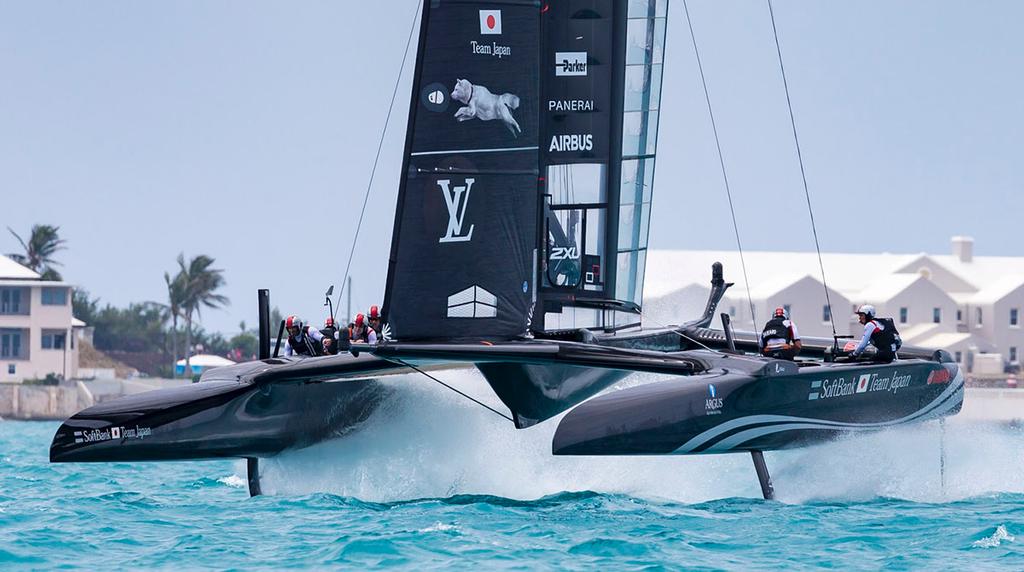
(361,332)
(330,334)
(302,339)
(779,338)
(374,320)
(879,332)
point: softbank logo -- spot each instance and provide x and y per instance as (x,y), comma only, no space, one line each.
(456,199)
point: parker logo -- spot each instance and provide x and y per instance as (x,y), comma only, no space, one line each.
(570,63)
(490,22)
(457,200)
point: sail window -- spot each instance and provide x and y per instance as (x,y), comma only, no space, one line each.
(648,8)
(575,226)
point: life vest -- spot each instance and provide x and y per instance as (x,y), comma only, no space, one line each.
(304,345)
(329,333)
(776,328)
(364,337)
(886,338)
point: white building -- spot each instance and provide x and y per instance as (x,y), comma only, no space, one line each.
(966,304)
(36,326)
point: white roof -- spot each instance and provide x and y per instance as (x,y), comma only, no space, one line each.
(870,277)
(918,331)
(670,270)
(12,270)
(886,287)
(207,360)
(998,289)
(76,323)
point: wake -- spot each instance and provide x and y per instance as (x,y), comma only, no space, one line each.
(428,442)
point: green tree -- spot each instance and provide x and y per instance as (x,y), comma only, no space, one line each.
(42,245)
(200,284)
(175,310)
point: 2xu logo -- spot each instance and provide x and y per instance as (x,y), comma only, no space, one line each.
(565,253)
(456,199)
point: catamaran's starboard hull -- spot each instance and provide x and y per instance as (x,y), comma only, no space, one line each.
(730,413)
(224,417)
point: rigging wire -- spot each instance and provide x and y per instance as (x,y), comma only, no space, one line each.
(469,397)
(721,161)
(376,159)
(803,174)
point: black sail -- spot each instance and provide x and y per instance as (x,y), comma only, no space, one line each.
(462,259)
(520,208)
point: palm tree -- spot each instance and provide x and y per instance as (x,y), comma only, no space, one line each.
(200,283)
(42,244)
(176,299)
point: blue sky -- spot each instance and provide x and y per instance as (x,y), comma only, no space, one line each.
(246,131)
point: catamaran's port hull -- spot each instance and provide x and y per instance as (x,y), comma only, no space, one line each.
(729,412)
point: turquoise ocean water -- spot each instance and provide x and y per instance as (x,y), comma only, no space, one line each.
(456,488)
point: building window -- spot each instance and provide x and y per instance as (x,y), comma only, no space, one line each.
(732,311)
(826,313)
(786,308)
(11,301)
(903,315)
(1013,354)
(10,344)
(937,315)
(1014,317)
(11,369)
(54,339)
(977,316)
(55,296)
(959,315)
(959,357)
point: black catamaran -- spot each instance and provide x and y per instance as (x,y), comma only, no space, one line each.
(519,247)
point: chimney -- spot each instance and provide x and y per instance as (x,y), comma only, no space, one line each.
(963,248)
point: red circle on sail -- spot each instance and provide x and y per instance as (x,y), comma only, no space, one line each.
(490,21)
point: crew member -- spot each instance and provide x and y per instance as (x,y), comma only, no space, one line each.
(374,319)
(361,332)
(879,332)
(779,338)
(302,339)
(330,333)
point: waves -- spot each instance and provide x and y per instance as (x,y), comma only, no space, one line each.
(430,443)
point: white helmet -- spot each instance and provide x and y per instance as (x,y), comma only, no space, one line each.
(867,309)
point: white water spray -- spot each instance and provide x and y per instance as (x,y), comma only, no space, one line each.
(428,442)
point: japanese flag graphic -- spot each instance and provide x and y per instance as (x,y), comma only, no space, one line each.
(862,383)
(490,22)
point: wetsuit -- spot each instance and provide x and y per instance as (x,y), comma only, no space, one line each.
(882,334)
(309,342)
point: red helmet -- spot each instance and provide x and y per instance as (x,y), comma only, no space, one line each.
(780,312)
(293,322)
(374,313)
(329,323)
(359,320)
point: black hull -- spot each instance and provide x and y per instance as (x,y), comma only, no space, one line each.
(221,417)
(731,412)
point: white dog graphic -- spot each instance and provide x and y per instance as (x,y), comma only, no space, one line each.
(483,105)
